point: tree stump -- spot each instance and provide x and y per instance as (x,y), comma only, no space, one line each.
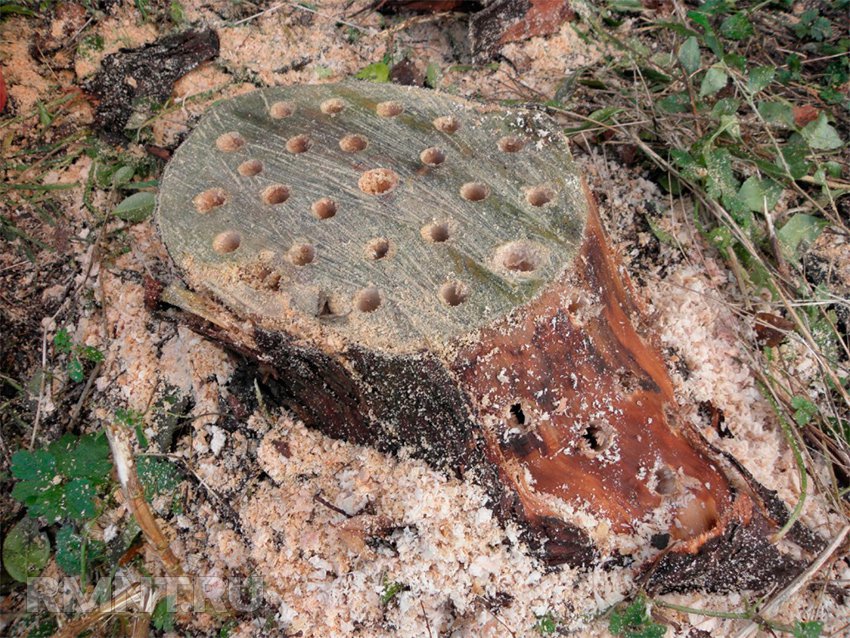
(420,271)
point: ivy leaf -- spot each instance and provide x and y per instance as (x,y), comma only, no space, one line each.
(137,207)
(800,230)
(820,135)
(689,55)
(713,81)
(736,26)
(75,370)
(25,550)
(760,77)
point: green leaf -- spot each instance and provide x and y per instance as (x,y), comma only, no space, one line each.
(375,72)
(736,26)
(810,629)
(390,592)
(137,207)
(69,550)
(801,230)
(675,103)
(820,135)
(25,550)
(804,410)
(760,77)
(39,466)
(90,353)
(795,153)
(689,55)
(432,75)
(75,370)
(756,194)
(720,180)
(158,476)
(62,341)
(162,617)
(714,80)
(79,498)
(91,459)
(546,624)
(123,175)
(725,106)
(776,113)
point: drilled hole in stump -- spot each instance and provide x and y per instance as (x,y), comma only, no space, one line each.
(353,143)
(378,181)
(389,109)
(275,194)
(226,242)
(432,156)
(454,293)
(332,106)
(595,438)
(474,191)
(378,248)
(539,195)
(436,232)
(516,415)
(302,254)
(665,481)
(280,110)
(518,256)
(299,144)
(447,124)
(511,144)
(249,168)
(324,208)
(367,300)
(229,142)
(209,199)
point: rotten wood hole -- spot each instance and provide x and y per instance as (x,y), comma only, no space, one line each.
(424,272)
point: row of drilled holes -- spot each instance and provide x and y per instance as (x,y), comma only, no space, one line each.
(374,182)
(354,143)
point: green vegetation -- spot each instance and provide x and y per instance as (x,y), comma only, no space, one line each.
(634,621)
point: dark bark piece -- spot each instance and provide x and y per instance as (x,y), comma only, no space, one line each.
(504,21)
(497,340)
(149,72)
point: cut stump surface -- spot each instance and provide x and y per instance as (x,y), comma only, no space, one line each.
(420,271)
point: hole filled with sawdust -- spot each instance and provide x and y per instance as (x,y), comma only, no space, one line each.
(389,109)
(209,199)
(229,142)
(226,242)
(378,181)
(302,254)
(353,143)
(275,194)
(299,144)
(332,106)
(251,167)
(281,110)
(324,208)
(447,124)
(518,256)
(511,144)
(474,191)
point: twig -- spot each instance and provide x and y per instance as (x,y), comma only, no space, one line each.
(37,419)
(280,5)
(795,585)
(134,494)
(138,594)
